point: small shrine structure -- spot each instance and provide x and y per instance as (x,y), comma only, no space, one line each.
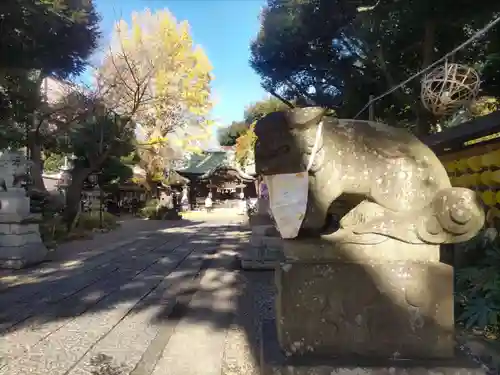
(216,172)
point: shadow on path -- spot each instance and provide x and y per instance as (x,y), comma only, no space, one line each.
(170,301)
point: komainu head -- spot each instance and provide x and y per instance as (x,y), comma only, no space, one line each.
(285,140)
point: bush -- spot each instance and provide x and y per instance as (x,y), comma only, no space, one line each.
(164,213)
(91,220)
(478,287)
(53,231)
(45,203)
(149,211)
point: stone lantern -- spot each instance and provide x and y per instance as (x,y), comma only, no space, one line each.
(93,179)
(20,241)
(64,180)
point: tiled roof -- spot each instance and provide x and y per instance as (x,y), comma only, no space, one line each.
(200,164)
(207,163)
(175,178)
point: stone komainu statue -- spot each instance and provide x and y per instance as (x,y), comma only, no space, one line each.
(401,188)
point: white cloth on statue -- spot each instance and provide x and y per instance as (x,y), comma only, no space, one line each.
(288,195)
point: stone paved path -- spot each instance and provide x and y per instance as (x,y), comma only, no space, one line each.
(155,301)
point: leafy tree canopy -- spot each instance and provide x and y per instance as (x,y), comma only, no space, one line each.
(115,171)
(53,162)
(259,109)
(229,135)
(252,113)
(335,55)
(55,36)
(155,74)
(244,146)
(39,38)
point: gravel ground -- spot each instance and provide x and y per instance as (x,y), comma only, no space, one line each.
(256,303)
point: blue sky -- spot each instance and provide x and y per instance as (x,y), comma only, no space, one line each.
(224,29)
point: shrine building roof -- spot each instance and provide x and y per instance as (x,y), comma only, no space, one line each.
(206,164)
(199,164)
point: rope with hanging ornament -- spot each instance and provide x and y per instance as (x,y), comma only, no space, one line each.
(448,88)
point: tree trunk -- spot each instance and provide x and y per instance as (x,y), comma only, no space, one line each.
(399,95)
(73,195)
(34,142)
(428,43)
(37,166)
(426,120)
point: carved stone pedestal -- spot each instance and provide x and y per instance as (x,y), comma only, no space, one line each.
(260,220)
(274,362)
(384,308)
(265,249)
(20,241)
(263,207)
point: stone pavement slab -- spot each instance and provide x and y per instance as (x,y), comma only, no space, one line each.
(55,317)
(203,329)
(141,326)
(69,255)
(25,299)
(114,311)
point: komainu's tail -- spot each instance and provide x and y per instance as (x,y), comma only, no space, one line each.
(456,216)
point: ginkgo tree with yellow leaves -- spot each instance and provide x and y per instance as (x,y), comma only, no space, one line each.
(244,146)
(152,76)
(155,74)
(246,141)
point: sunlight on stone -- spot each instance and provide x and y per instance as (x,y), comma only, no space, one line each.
(71,264)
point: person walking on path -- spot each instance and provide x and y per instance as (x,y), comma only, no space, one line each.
(209,203)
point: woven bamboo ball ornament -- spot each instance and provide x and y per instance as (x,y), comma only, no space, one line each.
(448,88)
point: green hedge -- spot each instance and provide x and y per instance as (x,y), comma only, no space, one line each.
(92,220)
(153,212)
(53,230)
(149,211)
